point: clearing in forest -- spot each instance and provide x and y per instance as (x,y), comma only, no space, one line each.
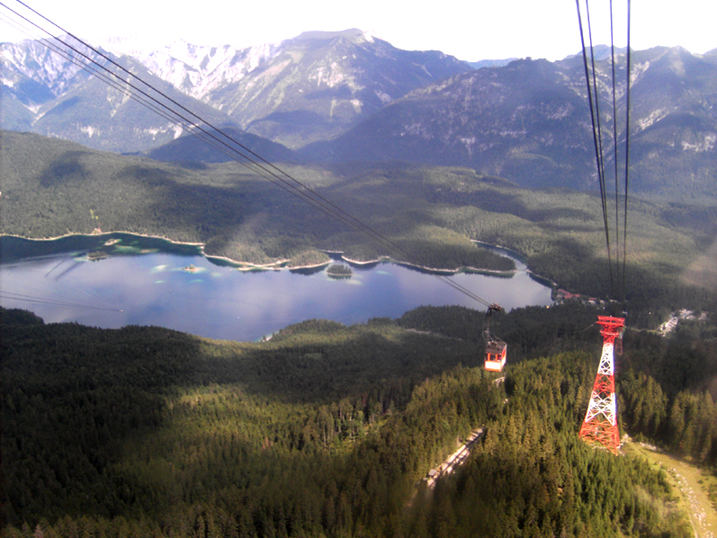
(692,482)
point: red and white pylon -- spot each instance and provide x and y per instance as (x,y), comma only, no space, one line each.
(600,424)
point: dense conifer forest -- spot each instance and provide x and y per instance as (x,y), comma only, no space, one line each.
(328,430)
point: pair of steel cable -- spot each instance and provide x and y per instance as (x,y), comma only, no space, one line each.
(54,301)
(617,282)
(147,94)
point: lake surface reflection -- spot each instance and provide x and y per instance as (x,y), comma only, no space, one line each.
(129,284)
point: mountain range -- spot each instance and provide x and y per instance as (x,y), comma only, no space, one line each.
(338,97)
(306,89)
(529,121)
(49,94)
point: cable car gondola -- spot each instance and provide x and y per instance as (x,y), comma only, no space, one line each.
(496,350)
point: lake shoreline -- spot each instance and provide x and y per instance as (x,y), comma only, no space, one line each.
(283,263)
(173,286)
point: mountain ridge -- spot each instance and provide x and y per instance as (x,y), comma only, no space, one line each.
(303,89)
(55,97)
(337,97)
(529,121)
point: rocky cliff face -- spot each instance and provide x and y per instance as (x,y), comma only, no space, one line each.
(49,94)
(305,89)
(530,121)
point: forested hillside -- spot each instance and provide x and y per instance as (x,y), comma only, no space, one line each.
(51,187)
(328,430)
(667,386)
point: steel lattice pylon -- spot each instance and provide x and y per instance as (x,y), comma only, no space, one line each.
(600,424)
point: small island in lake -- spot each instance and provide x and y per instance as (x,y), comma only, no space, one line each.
(191,268)
(339,270)
(97,255)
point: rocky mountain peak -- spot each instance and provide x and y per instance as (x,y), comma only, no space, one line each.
(353,35)
(30,62)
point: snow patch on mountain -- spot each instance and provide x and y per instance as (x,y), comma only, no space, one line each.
(333,75)
(116,100)
(34,60)
(654,116)
(156,132)
(199,70)
(638,70)
(706,144)
(90,131)
(383,96)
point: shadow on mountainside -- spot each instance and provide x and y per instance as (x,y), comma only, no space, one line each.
(75,396)
(64,169)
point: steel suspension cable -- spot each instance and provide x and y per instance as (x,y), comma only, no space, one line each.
(620,286)
(275,171)
(596,143)
(252,160)
(294,187)
(90,68)
(627,153)
(264,166)
(601,170)
(22,297)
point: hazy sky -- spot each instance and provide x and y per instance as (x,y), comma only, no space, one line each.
(468,29)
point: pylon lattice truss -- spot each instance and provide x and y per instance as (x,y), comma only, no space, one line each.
(600,424)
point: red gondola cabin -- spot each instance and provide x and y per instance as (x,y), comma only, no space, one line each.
(495,355)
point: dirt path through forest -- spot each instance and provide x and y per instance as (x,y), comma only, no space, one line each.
(692,483)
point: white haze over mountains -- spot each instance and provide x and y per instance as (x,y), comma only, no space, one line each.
(195,69)
(470,31)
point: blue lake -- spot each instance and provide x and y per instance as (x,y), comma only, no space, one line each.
(138,281)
